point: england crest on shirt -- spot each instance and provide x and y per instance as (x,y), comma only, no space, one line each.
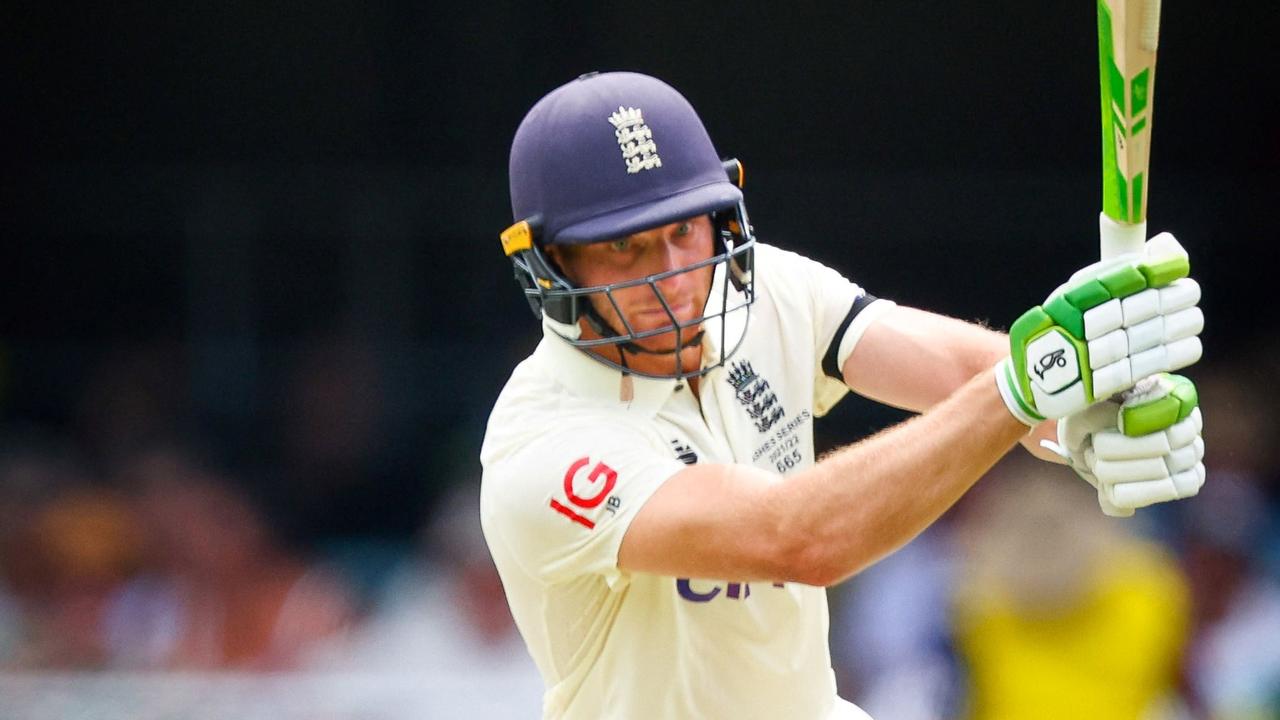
(755,395)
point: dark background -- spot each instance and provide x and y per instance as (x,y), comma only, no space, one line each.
(267,231)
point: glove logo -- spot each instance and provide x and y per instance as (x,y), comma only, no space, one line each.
(1056,366)
(1057,357)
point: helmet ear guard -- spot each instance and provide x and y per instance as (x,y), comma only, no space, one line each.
(730,231)
(536,274)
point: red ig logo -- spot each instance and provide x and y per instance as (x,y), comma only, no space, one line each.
(598,473)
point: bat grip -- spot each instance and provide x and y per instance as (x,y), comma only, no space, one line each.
(1120,238)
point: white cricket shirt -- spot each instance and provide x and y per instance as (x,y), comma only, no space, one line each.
(567,465)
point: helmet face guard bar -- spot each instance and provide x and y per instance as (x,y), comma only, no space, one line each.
(549,292)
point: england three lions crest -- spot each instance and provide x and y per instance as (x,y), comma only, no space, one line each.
(755,395)
(635,139)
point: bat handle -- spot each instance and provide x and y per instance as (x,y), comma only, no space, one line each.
(1120,238)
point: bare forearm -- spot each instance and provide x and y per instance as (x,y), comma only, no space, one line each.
(931,357)
(866,500)
(913,359)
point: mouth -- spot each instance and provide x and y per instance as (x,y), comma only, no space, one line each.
(681,311)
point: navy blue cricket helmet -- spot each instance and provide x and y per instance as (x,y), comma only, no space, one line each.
(605,156)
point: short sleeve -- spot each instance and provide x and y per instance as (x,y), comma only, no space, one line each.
(562,503)
(841,310)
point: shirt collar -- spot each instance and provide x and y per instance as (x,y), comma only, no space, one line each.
(588,377)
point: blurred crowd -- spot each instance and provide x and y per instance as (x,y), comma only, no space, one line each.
(127,546)
(1026,602)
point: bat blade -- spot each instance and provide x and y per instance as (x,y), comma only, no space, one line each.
(1128,35)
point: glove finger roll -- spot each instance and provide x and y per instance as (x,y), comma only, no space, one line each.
(1145,335)
(1114,445)
(1086,475)
(1164,358)
(1103,319)
(1108,349)
(1140,307)
(1183,324)
(1142,494)
(1109,508)
(1182,353)
(1149,362)
(1179,295)
(1111,379)
(1184,432)
(1185,458)
(1113,472)
(1189,482)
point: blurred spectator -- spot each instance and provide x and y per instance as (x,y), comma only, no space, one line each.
(168,565)
(1060,613)
(220,592)
(333,407)
(30,476)
(339,476)
(443,614)
(891,632)
(64,551)
(1230,540)
(135,395)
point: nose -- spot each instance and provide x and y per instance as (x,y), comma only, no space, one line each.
(672,257)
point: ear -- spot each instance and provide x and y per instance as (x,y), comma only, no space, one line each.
(558,255)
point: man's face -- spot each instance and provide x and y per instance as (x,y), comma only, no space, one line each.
(654,251)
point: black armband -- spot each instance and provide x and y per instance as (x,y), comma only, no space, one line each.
(830,366)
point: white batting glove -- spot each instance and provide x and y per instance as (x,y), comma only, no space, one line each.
(1140,451)
(1112,324)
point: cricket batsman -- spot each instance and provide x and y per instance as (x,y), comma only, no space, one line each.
(650,494)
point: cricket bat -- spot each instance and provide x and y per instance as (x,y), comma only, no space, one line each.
(1128,33)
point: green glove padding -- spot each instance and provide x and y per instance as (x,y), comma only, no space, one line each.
(1111,325)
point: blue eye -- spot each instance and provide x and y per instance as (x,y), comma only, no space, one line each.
(684,228)
(620,244)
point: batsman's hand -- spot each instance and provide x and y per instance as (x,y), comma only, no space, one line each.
(1146,448)
(1112,324)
